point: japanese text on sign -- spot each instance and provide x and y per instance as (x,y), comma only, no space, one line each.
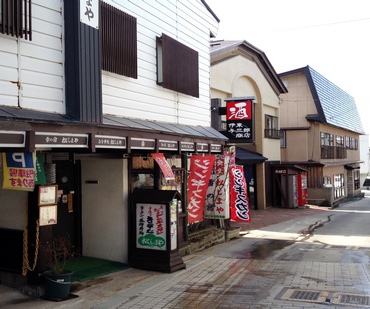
(239,204)
(89,12)
(151,226)
(217,201)
(19,171)
(200,173)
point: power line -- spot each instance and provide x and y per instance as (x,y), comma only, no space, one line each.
(326,24)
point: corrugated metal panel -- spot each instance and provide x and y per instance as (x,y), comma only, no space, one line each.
(82,67)
(162,127)
(338,106)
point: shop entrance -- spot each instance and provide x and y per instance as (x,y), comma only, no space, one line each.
(68,180)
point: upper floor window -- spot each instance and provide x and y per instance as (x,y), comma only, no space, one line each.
(272,127)
(327,145)
(177,66)
(119,41)
(282,139)
(15,18)
(341,151)
(351,142)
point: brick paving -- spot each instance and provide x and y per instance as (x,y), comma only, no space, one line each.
(265,217)
(217,281)
(243,283)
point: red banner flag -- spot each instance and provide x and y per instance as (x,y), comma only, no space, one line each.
(200,173)
(163,164)
(239,204)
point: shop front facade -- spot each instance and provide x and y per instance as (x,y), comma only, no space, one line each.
(94,122)
(241,75)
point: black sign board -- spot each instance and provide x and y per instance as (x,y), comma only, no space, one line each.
(216,148)
(168,145)
(187,146)
(202,147)
(60,140)
(142,143)
(12,139)
(110,142)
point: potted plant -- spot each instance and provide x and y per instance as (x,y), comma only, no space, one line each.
(57,278)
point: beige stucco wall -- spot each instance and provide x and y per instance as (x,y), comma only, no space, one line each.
(240,76)
(303,141)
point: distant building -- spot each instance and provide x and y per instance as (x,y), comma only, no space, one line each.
(242,74)
(321,131)
(365,159)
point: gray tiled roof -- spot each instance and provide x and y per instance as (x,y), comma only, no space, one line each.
(13,113)
(334,105)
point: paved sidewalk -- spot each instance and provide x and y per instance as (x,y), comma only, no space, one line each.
(273,215)
(129,283)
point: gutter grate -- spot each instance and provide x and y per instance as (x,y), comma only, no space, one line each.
(305,295)
(350,299)
(346,247)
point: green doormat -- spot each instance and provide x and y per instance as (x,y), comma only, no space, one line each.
(85,268)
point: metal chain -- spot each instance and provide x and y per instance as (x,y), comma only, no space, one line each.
(26,264)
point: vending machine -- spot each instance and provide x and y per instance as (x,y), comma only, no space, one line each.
(289,187)
(302,190)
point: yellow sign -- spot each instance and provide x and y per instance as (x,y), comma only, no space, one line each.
(19,170)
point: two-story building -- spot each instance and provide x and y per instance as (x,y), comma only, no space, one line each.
(244,80)
(321,130)
(91,89)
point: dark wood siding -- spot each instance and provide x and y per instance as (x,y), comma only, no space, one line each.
(119,41)
(180,67)
(15,18)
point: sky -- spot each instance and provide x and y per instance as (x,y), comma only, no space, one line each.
(331,36)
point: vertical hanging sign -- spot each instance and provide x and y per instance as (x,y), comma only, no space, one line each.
(217,199)
(89,12)
(239,204)
(200,173)
(239,120)
(19,170)
(163,164)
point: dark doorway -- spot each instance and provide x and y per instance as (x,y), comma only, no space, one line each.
(68,180)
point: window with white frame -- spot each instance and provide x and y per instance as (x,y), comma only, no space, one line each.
(339,189)
(272,127)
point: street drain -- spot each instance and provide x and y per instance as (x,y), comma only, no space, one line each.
(305,295)
(350,299)
(346,247)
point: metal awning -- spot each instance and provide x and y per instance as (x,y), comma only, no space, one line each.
(28,129)
(244,156)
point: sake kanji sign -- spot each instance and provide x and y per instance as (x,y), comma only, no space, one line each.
(239,120)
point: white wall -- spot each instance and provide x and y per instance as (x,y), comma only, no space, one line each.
(105,209)
(190,23)
(365,157)
(32,72)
